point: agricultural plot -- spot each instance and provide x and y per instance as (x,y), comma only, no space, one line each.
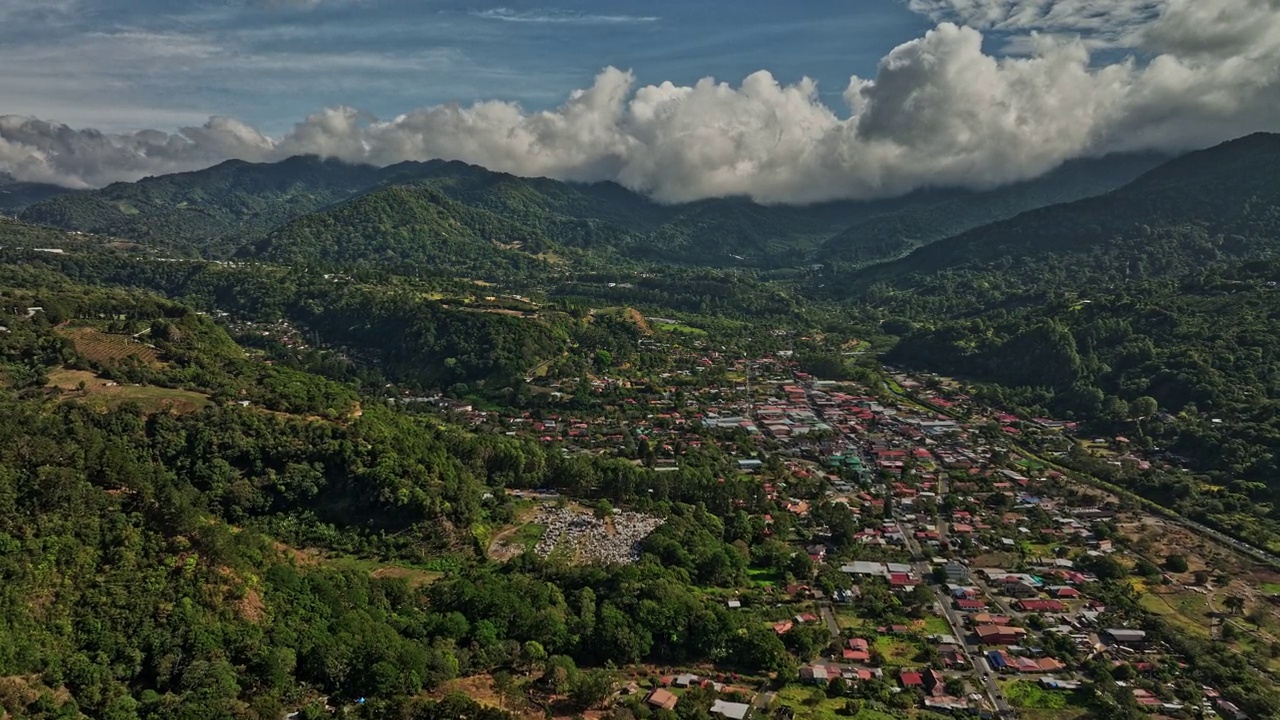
(101,347)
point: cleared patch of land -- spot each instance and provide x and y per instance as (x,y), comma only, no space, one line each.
(515,541)
(105,394)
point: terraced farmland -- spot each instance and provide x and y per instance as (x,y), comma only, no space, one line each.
(101,347)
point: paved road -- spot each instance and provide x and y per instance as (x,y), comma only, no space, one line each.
(979,670)
(829,617)
(978,667)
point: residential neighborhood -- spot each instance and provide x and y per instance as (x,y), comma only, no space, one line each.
(938,564)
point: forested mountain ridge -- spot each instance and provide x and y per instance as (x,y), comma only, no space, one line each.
(210,210)
(1219,203)
(150,558)
(220,210)
(952,213)
(15,195)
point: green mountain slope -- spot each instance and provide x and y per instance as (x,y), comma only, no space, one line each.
(1214,204)
(941,214)
(217,211)
(209,209)
(414,229)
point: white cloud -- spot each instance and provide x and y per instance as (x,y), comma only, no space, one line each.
(939,112)
(1054,16)
(562,17)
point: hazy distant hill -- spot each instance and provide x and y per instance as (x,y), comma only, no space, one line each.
(15,195)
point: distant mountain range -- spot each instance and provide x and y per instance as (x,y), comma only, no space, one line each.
(15,195)
(1205,207)
(432,211)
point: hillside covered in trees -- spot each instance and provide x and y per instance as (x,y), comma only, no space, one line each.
(417,213)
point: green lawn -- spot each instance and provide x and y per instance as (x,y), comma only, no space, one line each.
(762,577)
(414,575)
(934,625)
(680,328)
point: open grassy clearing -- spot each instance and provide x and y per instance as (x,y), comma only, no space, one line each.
(849,620)
(763,577)
(1028,694)
(415,576)
(516,540)
(481,689)
(897,652)
(680,328)
(105,395)
(101,347)
(811,703)
(1186,611)
(935,625)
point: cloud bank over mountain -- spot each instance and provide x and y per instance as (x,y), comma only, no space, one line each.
(1076,78)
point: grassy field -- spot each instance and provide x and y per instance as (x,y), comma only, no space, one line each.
(528,536)
(517,539)
(99,394)
(811,703)
(897,651)
(1027,694)
(849,620)
(763,577)
(1187,611)
(679,328)
(101,347)
(415,576)
(934,625)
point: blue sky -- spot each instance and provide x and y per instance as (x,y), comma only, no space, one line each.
(124,64)
(971,93)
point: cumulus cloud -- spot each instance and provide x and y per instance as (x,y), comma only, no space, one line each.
(940,111)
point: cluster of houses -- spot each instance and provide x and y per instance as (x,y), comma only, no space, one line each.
(666,697)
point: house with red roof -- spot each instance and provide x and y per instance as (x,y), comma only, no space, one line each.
(902,581)
(855,656)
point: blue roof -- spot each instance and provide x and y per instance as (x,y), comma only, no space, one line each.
(996,660)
